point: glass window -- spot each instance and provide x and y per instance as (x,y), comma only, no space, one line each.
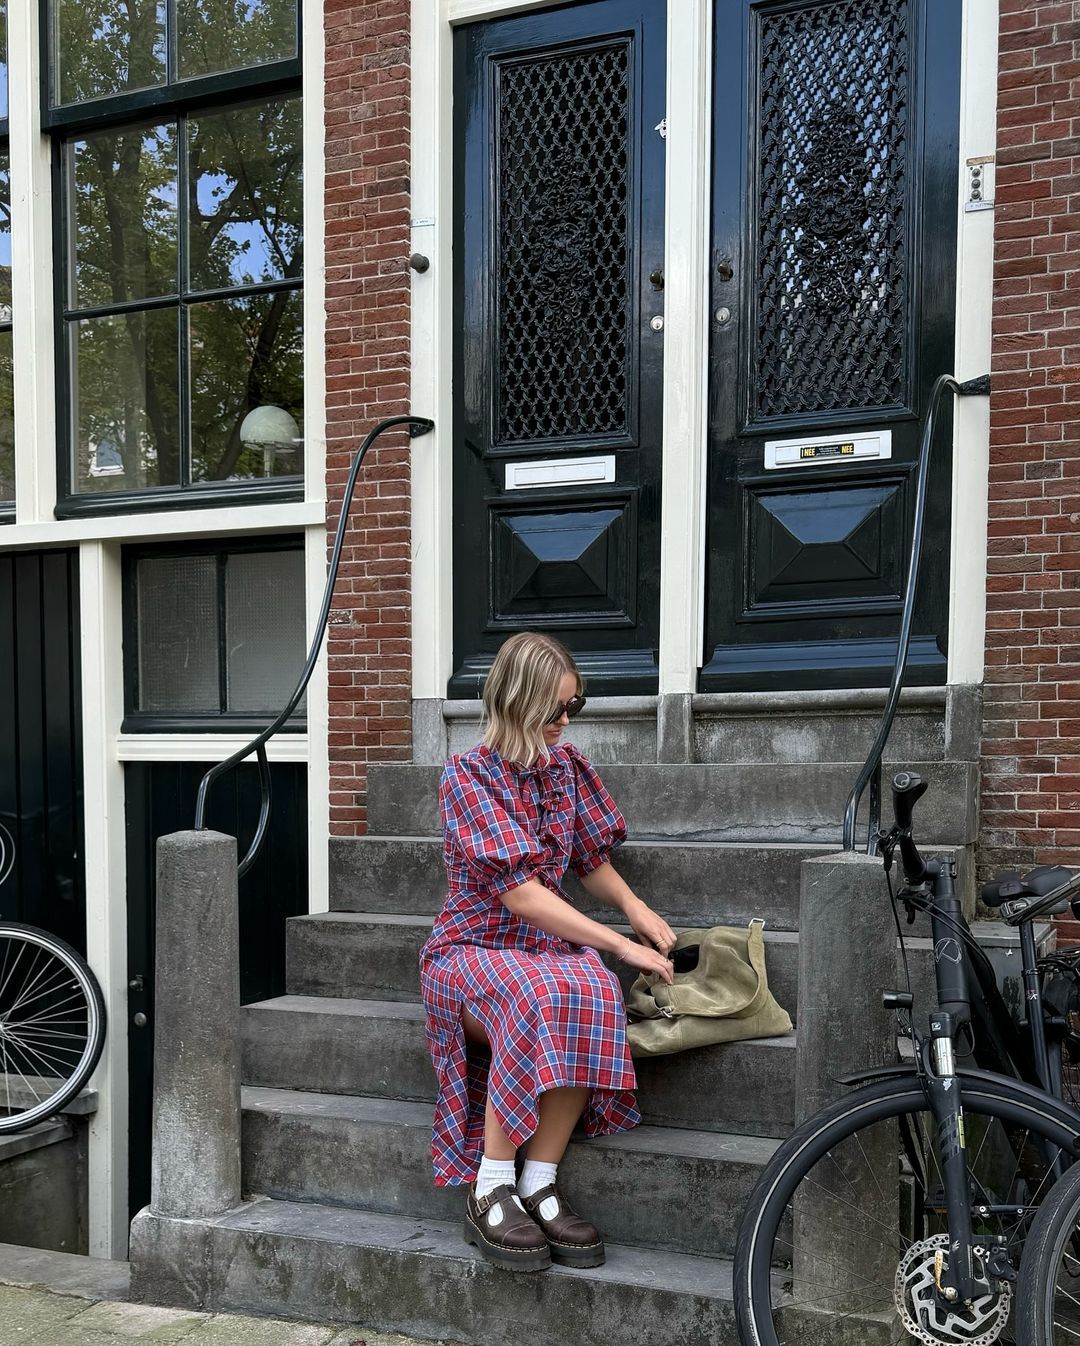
(184,306)
(213,632)
(102,47)
(7,382)
(108,49)
(214,36)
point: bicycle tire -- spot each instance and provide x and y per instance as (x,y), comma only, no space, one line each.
(820,1137)
(14,1117)
(1038,1309)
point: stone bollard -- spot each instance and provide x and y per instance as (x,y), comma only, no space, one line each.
(847,958)
(195,1168)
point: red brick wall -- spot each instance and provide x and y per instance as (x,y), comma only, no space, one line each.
(1031,748)
(367,345)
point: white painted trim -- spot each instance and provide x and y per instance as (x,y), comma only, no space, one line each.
(974,300)
(431,346)
(317,739)
(314,151)
(686,349)
(102,682)
(469,11)
(204,747)
(31,273)
(179,524)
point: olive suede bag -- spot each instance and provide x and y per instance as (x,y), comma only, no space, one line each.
(722,996)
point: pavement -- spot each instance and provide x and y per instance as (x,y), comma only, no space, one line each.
(58,1299)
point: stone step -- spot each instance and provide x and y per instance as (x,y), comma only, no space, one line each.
(417,1276)
(800,802)
(691,882)
(378,1048)
(375,1154)
(371,956)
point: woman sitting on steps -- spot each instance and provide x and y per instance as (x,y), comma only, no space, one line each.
(512,969)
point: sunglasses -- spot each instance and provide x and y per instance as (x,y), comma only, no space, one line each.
(569,708)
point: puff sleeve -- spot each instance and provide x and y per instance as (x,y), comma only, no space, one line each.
(498,852)
(598,825)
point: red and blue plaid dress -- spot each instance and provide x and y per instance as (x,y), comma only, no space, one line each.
(552,1012)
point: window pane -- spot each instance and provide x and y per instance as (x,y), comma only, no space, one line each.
(178,633)
(246,353)
(106,47)
(246,190)
(124,213)
(125,401)
(215,35)
(3,59)
(7,420)
(264,628)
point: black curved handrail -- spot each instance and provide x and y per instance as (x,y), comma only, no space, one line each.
(871,769)
(418,425)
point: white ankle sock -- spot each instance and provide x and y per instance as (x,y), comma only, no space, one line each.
(535,1176)
(495,1173)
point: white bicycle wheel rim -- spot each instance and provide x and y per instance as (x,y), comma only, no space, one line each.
(46,1107)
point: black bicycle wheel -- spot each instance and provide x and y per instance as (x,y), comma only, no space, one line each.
(52,1025)
(1048,1291)
(844,1233)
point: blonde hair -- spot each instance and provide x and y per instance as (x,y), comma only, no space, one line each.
(521,693)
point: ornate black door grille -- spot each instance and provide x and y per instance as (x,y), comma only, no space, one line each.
(564,246)
(832,258)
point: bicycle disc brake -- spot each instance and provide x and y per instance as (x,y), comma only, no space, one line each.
(928,1319)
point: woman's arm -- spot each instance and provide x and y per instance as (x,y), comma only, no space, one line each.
(541,907)
(609,887)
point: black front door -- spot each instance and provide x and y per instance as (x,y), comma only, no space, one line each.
(833,291)
(558,255)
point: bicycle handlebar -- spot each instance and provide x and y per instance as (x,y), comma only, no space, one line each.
(907,789)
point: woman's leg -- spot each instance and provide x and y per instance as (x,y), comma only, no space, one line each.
(559,1111)
(497,1144)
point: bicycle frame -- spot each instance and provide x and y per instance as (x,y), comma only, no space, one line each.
(934,891)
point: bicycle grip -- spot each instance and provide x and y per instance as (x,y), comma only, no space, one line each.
(907,789)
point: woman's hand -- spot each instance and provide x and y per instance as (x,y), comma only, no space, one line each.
(650,928)
(645,960)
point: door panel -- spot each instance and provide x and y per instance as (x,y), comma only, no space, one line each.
(833,284)
(41,800)
(558,361)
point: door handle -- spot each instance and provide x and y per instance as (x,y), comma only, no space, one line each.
(656,278)
(724,271)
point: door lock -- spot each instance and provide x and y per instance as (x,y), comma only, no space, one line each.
(723,315)
(657,323)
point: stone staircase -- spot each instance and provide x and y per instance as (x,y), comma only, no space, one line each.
(342,1220)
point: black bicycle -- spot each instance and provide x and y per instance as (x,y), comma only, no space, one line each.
(52,1018)
(899,1213)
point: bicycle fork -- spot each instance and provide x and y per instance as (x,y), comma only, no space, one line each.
(956,1282)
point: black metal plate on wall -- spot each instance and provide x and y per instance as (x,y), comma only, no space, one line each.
(41,783)
(581,562)
(160,799)
(836,134)
(559,216)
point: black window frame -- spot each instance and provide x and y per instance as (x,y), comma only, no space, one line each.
(196,722)
(177,99)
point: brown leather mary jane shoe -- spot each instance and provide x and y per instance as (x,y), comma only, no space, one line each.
(504,1233)
(574,1242)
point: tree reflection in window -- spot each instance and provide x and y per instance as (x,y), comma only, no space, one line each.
(184,308)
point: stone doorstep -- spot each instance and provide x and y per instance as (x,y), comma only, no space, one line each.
(375,1154)
(378,1049)
(418,1276)
(357,954)
(50,1132)
(803,802)
(695,882)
